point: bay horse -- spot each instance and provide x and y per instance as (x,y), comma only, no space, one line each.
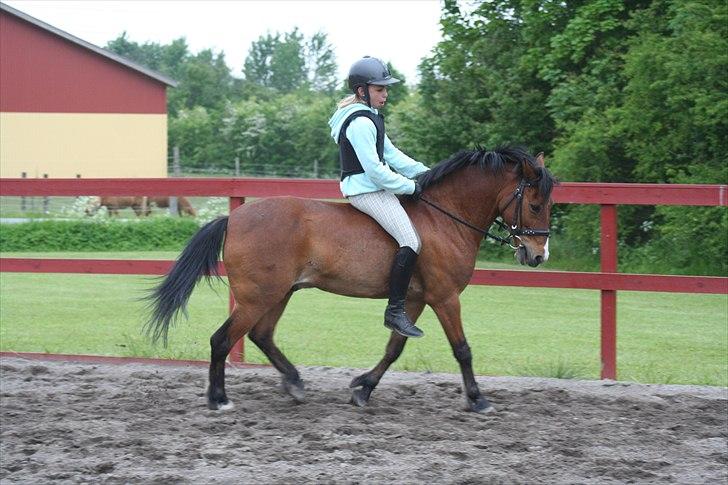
(275,246)
(183,205)
(142,206)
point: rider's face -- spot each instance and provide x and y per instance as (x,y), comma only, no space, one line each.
(377,95)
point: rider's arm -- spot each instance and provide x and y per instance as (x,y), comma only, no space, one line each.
(362,135)
(401,162)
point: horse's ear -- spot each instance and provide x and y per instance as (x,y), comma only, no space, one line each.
(529,171)
(540,160)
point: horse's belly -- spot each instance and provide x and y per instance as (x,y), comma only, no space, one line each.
(345,287)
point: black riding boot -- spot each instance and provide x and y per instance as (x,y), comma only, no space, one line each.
(394,317)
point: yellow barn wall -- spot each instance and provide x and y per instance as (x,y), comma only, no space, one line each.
(91,144)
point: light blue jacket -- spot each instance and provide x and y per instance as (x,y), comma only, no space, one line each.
(362,135)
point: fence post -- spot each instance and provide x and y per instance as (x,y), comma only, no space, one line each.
(173,209)
(237,352)
(22,197)
(46,199)
(608,256)
(237,166)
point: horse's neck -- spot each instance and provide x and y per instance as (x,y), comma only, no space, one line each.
(470,194)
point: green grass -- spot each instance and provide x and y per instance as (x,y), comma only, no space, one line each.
(662,338)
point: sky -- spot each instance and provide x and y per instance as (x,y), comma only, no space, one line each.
(399,31)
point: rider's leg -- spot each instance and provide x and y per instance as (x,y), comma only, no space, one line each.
(395,317)
(385,208)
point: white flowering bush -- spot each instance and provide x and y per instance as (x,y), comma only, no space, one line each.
(86,207)
(214,207)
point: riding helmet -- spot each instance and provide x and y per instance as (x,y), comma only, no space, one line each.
(369,70)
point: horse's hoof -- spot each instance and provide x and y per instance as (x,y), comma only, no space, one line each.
(480,405)
(223,405)
(358,381)
(360,397)
(295,390)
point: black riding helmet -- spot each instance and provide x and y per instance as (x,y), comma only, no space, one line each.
(369,70)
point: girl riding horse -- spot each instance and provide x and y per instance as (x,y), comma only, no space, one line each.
(276,246)
(367,180)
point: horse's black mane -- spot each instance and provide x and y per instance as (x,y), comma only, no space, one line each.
(492,160)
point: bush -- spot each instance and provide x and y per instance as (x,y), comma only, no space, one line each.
(163,233)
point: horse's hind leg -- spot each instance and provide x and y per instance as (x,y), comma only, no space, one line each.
(220,347)
(368,381)
(262,336)
(234,328)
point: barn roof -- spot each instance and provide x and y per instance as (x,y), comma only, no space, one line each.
(87,45)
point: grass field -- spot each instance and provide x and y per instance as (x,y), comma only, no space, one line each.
(662,338)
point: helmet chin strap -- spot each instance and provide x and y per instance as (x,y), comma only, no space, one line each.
(366,95)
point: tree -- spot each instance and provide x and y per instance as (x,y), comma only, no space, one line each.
(611,90)
(196,132)
(257,67)
(285,136)
(206,81)
(290,62)
(320,64)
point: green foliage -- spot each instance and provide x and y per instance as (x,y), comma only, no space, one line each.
(612,91)
(290,62)
(197,132)
(283,136)
(321,64)
(675,115)
(686,241)
(159,233)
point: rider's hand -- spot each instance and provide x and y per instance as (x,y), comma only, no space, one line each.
(418,191)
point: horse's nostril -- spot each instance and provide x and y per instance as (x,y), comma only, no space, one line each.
(539,259)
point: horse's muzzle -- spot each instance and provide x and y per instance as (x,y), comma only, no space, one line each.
(523,256)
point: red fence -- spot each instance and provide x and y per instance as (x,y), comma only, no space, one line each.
(608,196)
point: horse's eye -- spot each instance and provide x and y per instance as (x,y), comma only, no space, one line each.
(535,208)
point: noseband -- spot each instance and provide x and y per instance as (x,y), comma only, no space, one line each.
(515,231)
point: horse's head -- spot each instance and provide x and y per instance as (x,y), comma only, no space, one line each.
(525,206)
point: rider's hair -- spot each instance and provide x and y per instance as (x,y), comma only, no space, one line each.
(348,100)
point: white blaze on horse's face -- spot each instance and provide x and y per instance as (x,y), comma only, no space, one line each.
(546,251)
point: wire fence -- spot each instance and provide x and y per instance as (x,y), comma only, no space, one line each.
(20,209)
(258,170)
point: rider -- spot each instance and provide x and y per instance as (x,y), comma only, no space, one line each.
(373,170)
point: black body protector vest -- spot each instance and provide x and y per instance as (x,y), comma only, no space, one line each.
(350,163)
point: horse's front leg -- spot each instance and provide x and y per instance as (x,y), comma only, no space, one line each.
(369,380)
(448,312)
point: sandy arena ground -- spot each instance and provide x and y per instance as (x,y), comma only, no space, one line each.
(64,422)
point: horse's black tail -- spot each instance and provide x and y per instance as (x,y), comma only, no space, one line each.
(198,259)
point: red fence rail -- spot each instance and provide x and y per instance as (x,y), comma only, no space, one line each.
(608,196)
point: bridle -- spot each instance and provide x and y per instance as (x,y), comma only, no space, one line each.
(515,231)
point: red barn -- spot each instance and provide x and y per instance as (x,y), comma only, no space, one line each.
(68,107)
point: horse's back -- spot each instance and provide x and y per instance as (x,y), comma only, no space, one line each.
(301,220)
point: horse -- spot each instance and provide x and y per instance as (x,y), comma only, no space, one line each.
(115,204)
(142,206)
(273,247)
(183,205)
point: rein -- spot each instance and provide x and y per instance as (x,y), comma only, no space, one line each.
(514,231)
